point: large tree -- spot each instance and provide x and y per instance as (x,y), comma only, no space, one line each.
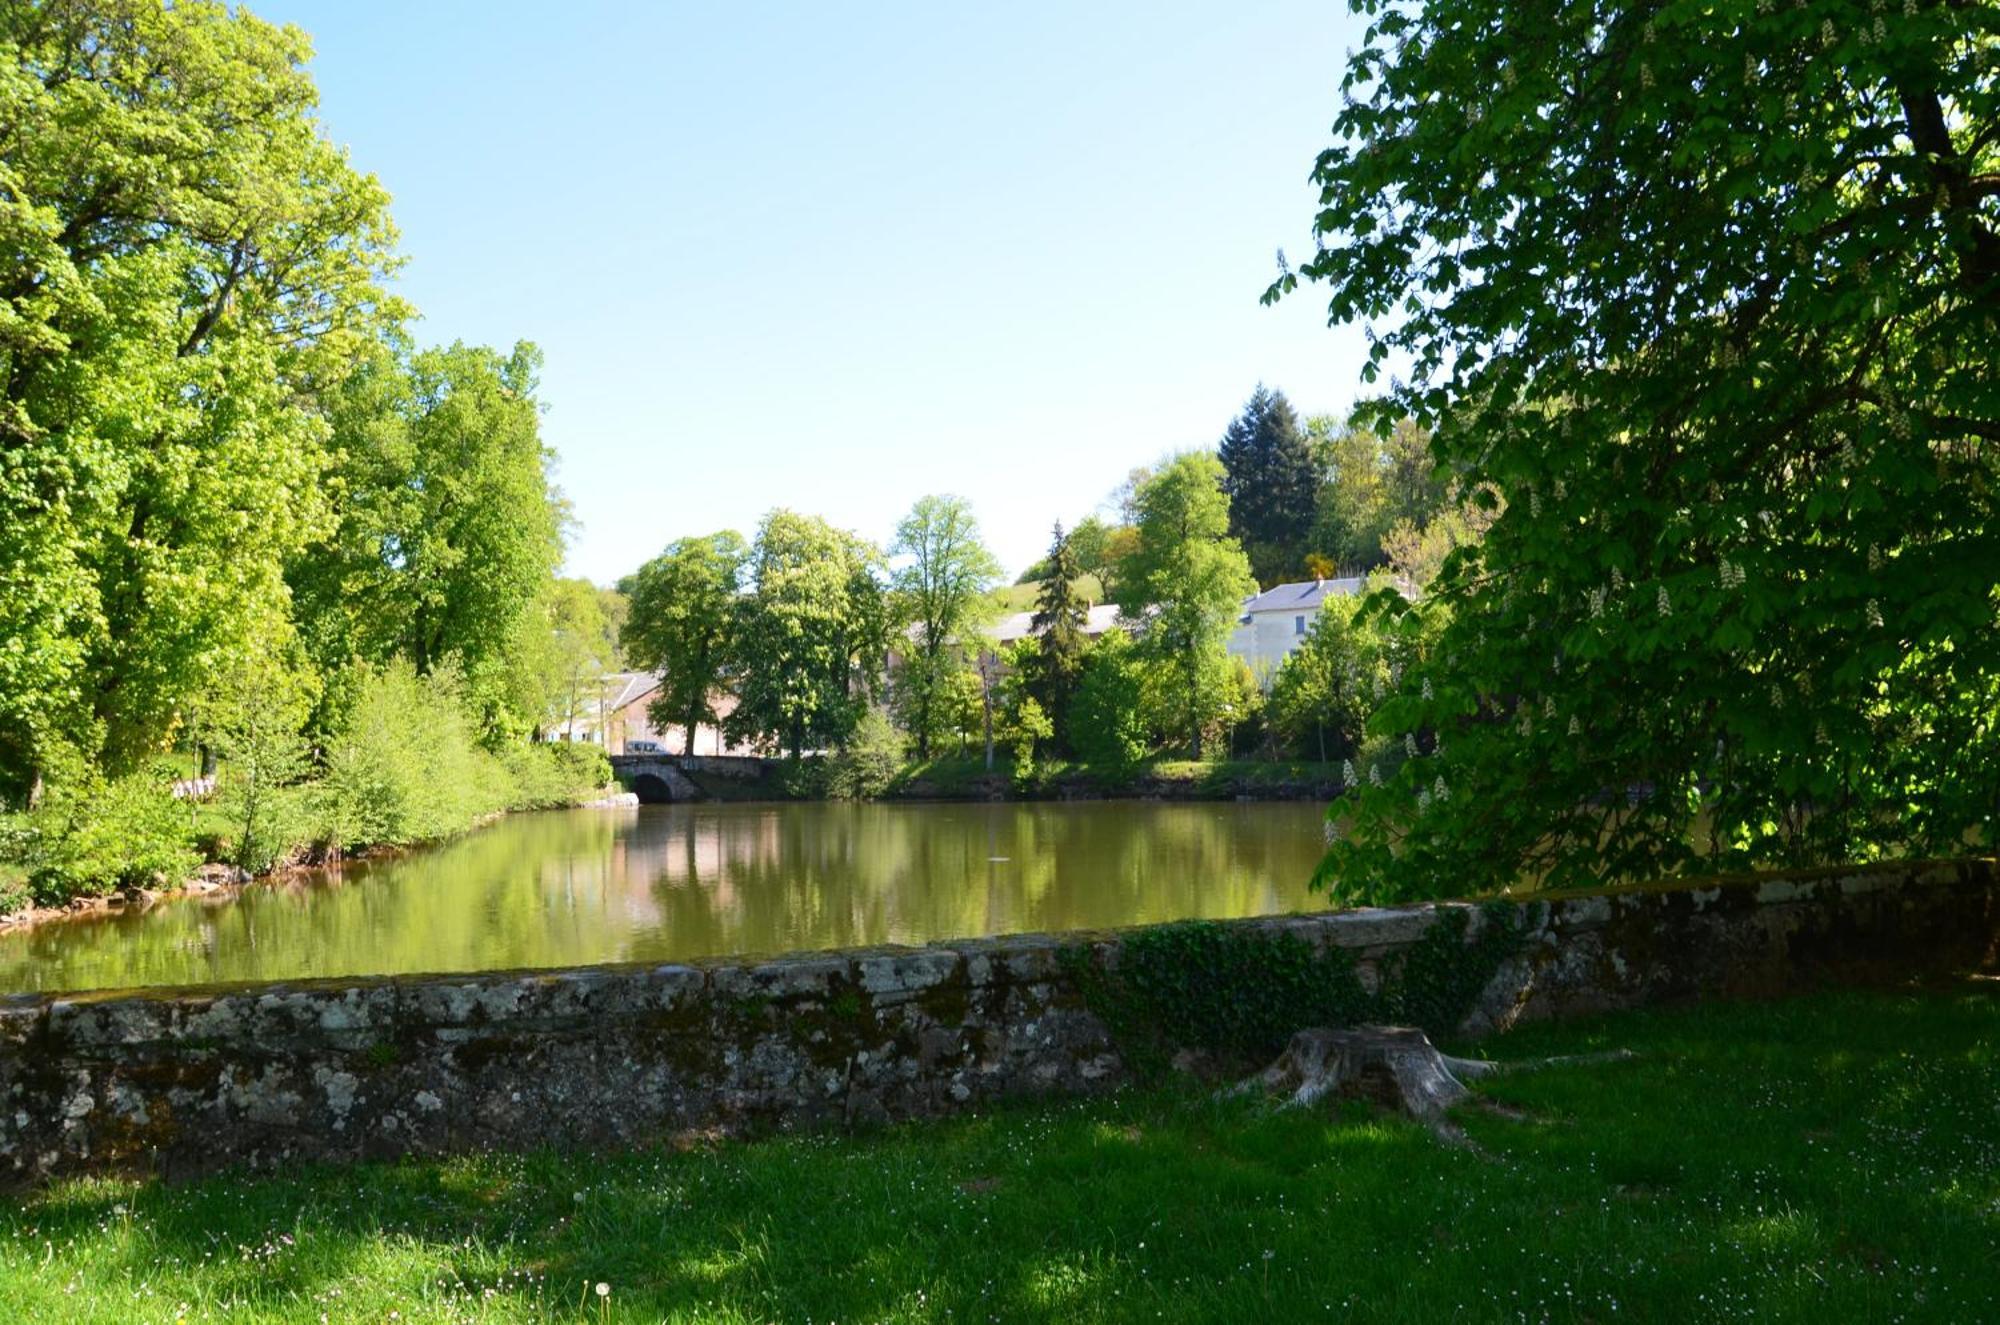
(681,617)
(940,587)
(1272,482)
(1709,294)
(184,260)
(1061,621)
(812,634)
(449,531)
(1186,580)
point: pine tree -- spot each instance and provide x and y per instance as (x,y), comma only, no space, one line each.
(1061,615)
(1272,483)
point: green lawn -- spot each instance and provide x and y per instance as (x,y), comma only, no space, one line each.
(1834,1158)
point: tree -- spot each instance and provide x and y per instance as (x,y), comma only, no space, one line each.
(1708,297)
(682,615)
(1060,633)
(1101,551)
(811,635)
(1108,717)
(941,588)
(1371,481)
(1187,579)
(1272,483)
(185,260)
(1323,693)
(449,531)
(254,720)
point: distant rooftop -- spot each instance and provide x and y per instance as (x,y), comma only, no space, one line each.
(1021,624)
(1303,595)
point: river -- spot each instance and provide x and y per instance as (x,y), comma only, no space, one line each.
(673,882)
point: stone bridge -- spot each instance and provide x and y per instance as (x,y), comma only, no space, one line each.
(661,779)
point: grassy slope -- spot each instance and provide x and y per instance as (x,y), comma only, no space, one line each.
(1835,1158)
(1021,597)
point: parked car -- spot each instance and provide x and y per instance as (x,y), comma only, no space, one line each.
(644,748)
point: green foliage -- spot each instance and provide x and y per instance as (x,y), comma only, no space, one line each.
(1186,580)
(1243,993)
(406,765)
(1326,688)
(681,622)
(547,775)
(252,722)
(812,636)
(1222,988)
(868,761)
(1373,481)
(1060,641)
(1739,608)
(184,256)
(1108,719)
(91,835)
(1272,482)
(1440,978)
(570,650)
(1026,728)
(1101,550)
(450,532)
(940,589)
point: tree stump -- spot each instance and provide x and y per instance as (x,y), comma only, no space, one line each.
(1396,1067)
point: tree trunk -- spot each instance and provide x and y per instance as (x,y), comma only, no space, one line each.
(1394,1066)
(986,702)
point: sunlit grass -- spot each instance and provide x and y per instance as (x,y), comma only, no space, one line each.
(1834,1158)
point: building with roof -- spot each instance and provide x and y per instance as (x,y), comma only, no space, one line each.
(1276,621)
(618,715)
(1020,625)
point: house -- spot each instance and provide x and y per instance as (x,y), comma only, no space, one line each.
(619,715)
(1275,622)
(1020,625)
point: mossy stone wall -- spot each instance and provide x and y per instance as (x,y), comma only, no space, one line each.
(185,1080)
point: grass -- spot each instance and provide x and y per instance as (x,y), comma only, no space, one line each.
(1832,1158)
(1021,597)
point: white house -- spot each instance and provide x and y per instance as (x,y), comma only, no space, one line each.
(1275,621)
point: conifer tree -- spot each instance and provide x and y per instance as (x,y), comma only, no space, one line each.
(1061,616)
(1272,483)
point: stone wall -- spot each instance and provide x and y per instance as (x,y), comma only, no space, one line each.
(180,1081)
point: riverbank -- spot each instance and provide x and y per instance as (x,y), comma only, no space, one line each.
(966,778)
(1830,1157)
(222,880)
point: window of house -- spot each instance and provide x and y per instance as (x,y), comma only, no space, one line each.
(1298,625)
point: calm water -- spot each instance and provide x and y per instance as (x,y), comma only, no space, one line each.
(676,881)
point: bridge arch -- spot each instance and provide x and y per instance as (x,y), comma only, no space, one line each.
(652,789)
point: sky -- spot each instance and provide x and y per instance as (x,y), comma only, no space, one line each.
(836,257)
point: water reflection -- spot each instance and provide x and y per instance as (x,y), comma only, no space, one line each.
(673,882)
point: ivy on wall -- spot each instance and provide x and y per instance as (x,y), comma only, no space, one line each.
(1241,994)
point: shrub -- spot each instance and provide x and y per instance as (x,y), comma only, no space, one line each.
(405,766)
(864,767)
(544,776)
(91,836)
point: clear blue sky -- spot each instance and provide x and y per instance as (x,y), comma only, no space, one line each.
(834,257)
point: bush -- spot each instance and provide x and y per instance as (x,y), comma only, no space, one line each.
(92,836)
(405,766)
(863,768)
(549,775)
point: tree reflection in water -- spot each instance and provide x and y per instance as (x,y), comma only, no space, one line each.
(672,882)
